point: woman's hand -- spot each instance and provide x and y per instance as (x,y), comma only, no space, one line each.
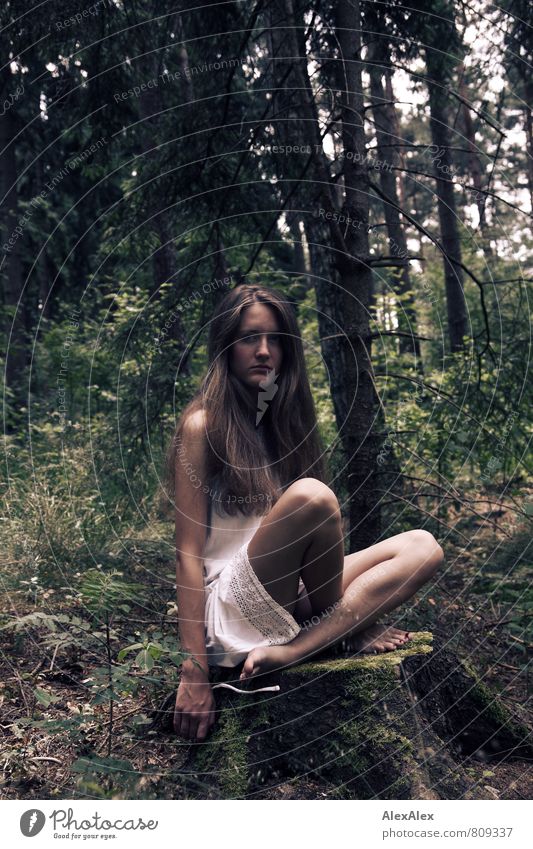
(194,713)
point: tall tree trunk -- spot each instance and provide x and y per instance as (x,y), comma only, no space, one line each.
(394,131)
(449,230)
(299,264)
(286,130)
(45,275)
(322,273)
(221,269)
(329,306)
(361,440)
(11,266)
(474,164)
(349,236)
(385,121)
(528,122)
(165,268)
(183,60)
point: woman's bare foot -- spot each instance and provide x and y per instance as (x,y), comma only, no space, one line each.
(378,638)
(375,638)
(265,659)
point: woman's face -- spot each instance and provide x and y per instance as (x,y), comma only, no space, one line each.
(257,349)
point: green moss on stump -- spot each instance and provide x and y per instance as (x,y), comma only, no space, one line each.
(337,719)
(361,727)
(420,643)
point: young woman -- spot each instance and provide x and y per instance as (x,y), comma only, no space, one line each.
(261,572)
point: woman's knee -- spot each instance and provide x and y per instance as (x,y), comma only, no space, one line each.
(312,498)
(430,552)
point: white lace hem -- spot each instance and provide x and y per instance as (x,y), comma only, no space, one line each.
(257,606)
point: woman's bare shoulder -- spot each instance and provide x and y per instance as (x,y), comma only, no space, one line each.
(191,442)
(194,424)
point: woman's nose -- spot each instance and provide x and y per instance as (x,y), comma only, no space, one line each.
(263,348)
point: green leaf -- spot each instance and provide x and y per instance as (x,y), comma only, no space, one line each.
(107,766)
(105,592)
(177,657)
(145,660)
(45,698)
(134,647)
(141,719)
(100,699)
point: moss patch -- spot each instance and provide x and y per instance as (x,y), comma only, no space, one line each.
(220,765)
(234,780)
(348,724)
(420,643)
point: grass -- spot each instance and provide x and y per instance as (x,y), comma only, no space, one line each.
(55,528)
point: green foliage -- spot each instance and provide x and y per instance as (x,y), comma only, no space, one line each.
(506,580)
(61,633)
(151,654)
(113,681)
(120,261)
(105,778)
(105,593)
(53,513)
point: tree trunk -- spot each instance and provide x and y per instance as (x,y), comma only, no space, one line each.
(351,257)
(330,319)
(385,120)
(183,60)
(449,230)
(278,45)
(299,264)
(394,130)
(474,164)
(164,264)
(360,438)
(11,267)
(528,121)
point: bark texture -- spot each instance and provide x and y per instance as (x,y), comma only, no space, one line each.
(449,229)
(11,221)
(385,123)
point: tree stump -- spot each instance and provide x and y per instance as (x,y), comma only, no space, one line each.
(386,726)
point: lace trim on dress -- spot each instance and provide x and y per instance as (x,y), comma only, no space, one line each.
(275,623)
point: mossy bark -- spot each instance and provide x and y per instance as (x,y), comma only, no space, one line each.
(388,726)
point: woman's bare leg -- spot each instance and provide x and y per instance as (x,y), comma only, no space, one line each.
(301,535)
(303,532)
(375,582)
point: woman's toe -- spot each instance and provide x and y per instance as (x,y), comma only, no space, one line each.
(247,668)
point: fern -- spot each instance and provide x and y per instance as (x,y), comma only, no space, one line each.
(105,593)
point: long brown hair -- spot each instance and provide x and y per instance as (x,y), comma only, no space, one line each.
(288,436)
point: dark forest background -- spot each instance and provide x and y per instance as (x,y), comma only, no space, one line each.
(372,160)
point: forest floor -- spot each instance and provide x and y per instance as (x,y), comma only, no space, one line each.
(54,719)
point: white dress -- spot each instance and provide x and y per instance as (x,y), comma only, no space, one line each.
(240,614)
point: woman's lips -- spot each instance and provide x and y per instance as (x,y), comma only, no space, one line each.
(259,368)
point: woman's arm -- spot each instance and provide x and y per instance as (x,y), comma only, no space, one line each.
(194,712)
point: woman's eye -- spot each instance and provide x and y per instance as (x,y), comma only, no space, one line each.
(272,337)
